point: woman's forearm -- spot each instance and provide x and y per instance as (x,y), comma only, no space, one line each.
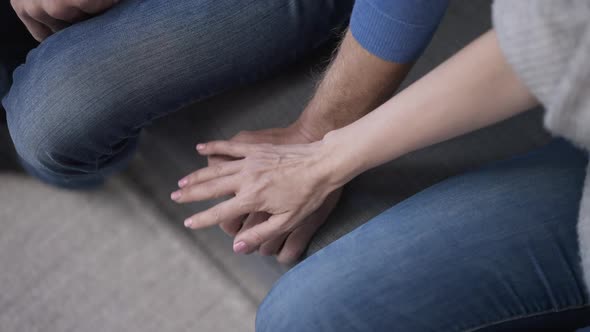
(473,89)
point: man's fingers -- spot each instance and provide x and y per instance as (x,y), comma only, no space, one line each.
(232,227)
(227,210)
(272,247)
(296,243)
(298,240)
(94,6)
(268,248)
(213,189)
(225,148)
(252,220)
(68,14)
(37,30)
(54,24)
(211,172)
(257,235)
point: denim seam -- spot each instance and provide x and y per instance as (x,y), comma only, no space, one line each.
(511,319)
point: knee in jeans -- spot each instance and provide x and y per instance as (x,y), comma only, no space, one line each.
(66,155)
(294,304)
(48,147)
(62,143)
(63,127)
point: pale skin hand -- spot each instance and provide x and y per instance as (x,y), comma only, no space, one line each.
(355,83)
(289,247)
(280,180)
(45,17)
(473,89)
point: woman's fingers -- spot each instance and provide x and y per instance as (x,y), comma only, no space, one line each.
(212,189)
(226,148)
(211,172)
(227,210)
(274,227)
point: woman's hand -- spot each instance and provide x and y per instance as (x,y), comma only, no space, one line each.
(287,181)
(45,17)
(288,248)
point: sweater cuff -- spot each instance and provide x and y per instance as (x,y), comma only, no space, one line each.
(394,39)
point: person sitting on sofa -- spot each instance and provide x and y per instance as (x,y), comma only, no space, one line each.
(502,248)
(107,68)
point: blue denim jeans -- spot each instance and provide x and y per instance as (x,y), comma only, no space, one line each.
(78,104)
(492,250)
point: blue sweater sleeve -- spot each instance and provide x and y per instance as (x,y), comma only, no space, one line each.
(396,30)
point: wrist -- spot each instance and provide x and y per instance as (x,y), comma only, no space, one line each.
(337,160)
(308,129)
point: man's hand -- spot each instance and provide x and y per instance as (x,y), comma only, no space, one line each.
(288,248)
(45,17)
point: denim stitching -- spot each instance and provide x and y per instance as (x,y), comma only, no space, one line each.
(511,319)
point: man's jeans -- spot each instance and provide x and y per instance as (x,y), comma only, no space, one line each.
(492,250)
(77,107)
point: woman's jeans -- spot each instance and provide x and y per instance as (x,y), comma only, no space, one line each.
(491,250)
(76,108)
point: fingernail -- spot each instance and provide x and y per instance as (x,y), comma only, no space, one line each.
(182,183)
(188,222)
(200,146)
(175,195)
(240,248)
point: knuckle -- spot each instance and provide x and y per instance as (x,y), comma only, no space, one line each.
(247,202)
(217,170)
(256,237)
(55,11)
(216,214)
(289,255)
(283,227)
(34,11)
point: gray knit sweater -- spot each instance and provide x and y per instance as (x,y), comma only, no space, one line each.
(547,42)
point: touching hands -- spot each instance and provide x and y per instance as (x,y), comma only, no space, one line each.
(45,17)
(289,247)
(287,182)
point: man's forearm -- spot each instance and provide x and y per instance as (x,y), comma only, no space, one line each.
(473,89)
(355,83)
